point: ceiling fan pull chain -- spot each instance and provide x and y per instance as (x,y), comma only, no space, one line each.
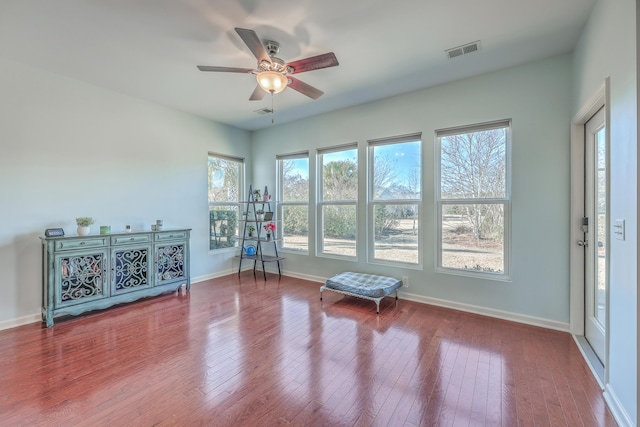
(271,107)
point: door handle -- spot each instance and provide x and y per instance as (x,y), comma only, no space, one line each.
(583,243)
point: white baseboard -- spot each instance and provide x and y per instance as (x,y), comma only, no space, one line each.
(622,417)
(591,359)
(19,321)
(34,318)
(303,276)
(274,270)
(215,275)
(498,314)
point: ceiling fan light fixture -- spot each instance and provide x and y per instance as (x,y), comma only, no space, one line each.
(272,81)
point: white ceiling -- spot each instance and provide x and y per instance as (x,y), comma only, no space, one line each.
(150,48)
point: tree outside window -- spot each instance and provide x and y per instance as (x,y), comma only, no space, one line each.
(294,201)
(337,204)
(474,200)
(395,199)
(225,188)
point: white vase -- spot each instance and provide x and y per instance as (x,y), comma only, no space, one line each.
(260,217)
(83,231)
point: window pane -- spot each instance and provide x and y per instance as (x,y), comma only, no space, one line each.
(396,171)
(224,180)
(339,230)
(295,180)
(473,165)
(296,227)
(224,193)
(396,233)
(473,237)
(223,222)
(340,175)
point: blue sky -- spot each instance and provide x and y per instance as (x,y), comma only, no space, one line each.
(406,158)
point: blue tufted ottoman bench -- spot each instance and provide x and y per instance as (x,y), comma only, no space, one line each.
(367,286)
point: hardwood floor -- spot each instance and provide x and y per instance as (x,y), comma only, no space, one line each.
(244,352)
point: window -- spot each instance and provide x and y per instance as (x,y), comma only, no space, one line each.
(225,184)
(337,201)
(395,199)
(293,194)
(473,199)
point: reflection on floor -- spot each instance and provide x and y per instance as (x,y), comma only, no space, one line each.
(239,351)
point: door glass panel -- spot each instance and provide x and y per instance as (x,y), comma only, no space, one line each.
(601,229)
(596,234)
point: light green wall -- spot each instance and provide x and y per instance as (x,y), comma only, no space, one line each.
(537,97)
(69,149)
(607,48)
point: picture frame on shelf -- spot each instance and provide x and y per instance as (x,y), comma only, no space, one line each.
(268,216)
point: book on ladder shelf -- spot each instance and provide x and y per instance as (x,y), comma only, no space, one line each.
(259,231)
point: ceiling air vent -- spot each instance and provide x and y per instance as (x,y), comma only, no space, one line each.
(463,50)
(263,111)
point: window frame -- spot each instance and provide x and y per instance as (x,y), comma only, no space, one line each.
(237,204)
(372,202)
(320,203)
(283,203)
(505,201)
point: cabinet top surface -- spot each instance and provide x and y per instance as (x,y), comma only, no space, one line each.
(132,233)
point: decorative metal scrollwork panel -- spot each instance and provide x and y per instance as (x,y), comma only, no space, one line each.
(82,277)
(170,262)
(130,268)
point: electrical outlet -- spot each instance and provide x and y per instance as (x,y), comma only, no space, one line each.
(405,281)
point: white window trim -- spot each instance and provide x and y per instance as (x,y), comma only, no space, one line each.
(507,274)
(282,203)
(319,232)
(372,203)
(241,180)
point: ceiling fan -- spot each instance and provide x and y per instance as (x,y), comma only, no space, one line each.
(272,73)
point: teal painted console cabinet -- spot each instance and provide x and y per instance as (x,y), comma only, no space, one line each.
(93,272)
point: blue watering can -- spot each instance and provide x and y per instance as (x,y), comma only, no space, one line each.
(249,250)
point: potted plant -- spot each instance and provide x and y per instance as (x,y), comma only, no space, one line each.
(84,225)
(251,229)
(270,229)
(260,214)
(256,195)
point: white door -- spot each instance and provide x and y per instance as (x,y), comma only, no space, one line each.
(596,236)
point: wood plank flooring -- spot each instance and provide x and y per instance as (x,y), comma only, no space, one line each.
(245,352)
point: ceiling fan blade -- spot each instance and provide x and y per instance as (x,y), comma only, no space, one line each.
(250,38)
(304,88)
(257,94)
(325,60)
(224,69)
